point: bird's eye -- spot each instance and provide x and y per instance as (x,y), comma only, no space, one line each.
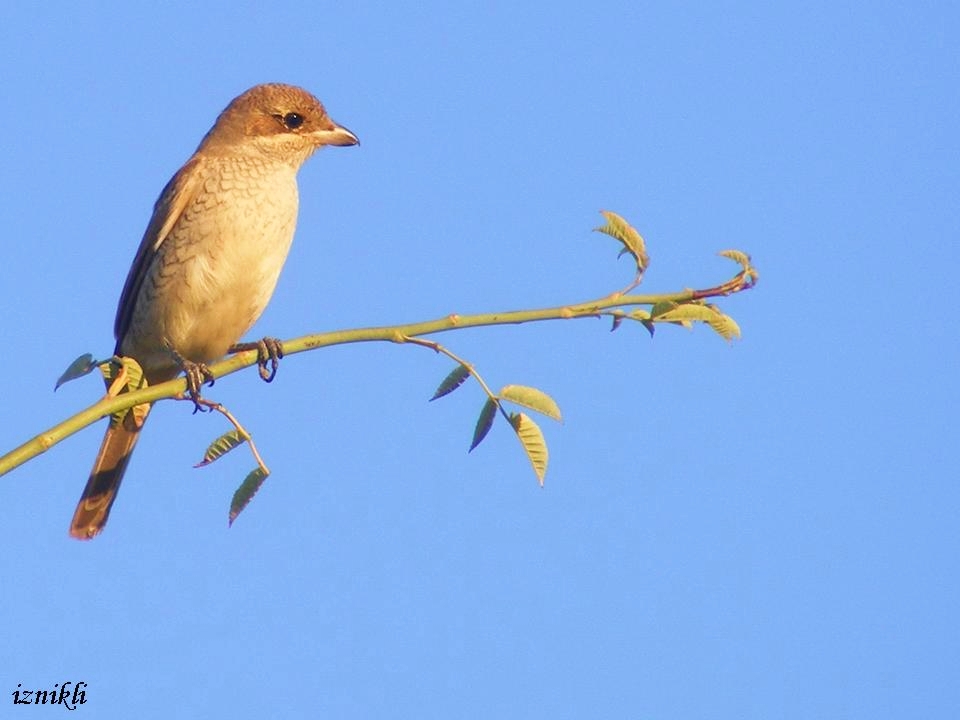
(293,120)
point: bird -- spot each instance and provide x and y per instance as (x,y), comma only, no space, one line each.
(210,258)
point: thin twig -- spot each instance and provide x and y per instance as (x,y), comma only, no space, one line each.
(397,333)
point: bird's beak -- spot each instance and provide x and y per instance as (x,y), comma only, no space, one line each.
(336,135)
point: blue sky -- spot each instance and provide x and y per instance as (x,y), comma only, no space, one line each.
(763,529)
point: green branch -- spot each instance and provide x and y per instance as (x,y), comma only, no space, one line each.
(682,308)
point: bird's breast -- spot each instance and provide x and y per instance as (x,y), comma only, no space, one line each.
(214,274)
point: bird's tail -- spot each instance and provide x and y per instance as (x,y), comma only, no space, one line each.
(101,490)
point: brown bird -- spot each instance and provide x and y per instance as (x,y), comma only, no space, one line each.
(210,257)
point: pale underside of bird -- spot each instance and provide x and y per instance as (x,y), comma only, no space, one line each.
(210,257)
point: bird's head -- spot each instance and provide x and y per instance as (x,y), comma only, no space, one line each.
(278,120)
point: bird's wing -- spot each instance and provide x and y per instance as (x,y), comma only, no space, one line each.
(176,196)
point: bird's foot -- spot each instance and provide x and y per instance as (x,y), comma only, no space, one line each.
(197,374)
(269,351)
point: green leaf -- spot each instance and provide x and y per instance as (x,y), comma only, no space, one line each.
(451,382)
(83,365)
(662,307)
(484,422)
(750,275)
(531,398)
(738,257)
(127,371)
(533,443)
(687,312)
(723,324)
(244,494)
(133,380)
(221,446)
(136,381)
(110,369)
(632,242)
